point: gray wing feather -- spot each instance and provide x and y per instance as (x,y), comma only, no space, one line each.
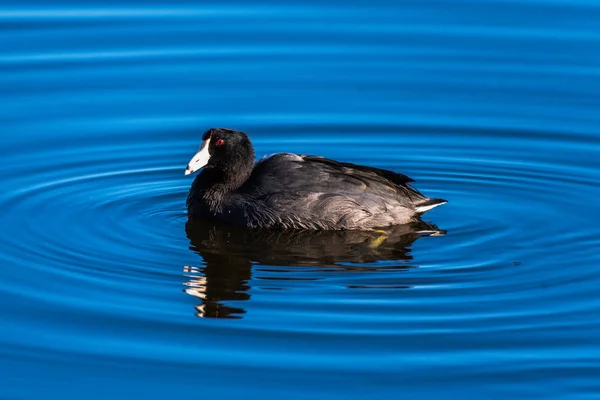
(313,192)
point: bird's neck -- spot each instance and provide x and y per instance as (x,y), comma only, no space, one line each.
(216,185)
(229,179)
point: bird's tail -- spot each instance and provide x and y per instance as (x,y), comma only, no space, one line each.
(428,204)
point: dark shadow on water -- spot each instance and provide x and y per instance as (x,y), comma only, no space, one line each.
(229,253)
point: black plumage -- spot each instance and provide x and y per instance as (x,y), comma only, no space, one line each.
(295,191)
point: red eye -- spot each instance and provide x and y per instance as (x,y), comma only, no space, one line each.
(220,142)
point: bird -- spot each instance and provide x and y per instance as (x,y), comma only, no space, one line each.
(295,191)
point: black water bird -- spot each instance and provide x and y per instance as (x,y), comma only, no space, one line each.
(293,191)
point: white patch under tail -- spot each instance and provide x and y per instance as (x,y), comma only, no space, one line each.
(432,203)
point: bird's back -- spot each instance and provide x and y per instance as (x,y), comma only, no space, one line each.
(299,191)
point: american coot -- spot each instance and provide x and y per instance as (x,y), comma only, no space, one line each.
(295,191)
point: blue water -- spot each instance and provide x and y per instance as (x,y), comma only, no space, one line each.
(493,105)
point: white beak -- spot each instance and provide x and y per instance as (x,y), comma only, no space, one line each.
(200,159)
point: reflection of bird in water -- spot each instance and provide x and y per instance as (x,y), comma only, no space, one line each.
(229,253)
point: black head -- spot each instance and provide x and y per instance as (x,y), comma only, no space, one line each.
(226,150)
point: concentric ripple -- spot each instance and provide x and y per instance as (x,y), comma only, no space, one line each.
(104,217)
(100,229)
(109,290)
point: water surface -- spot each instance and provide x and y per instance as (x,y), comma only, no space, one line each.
(491,105)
